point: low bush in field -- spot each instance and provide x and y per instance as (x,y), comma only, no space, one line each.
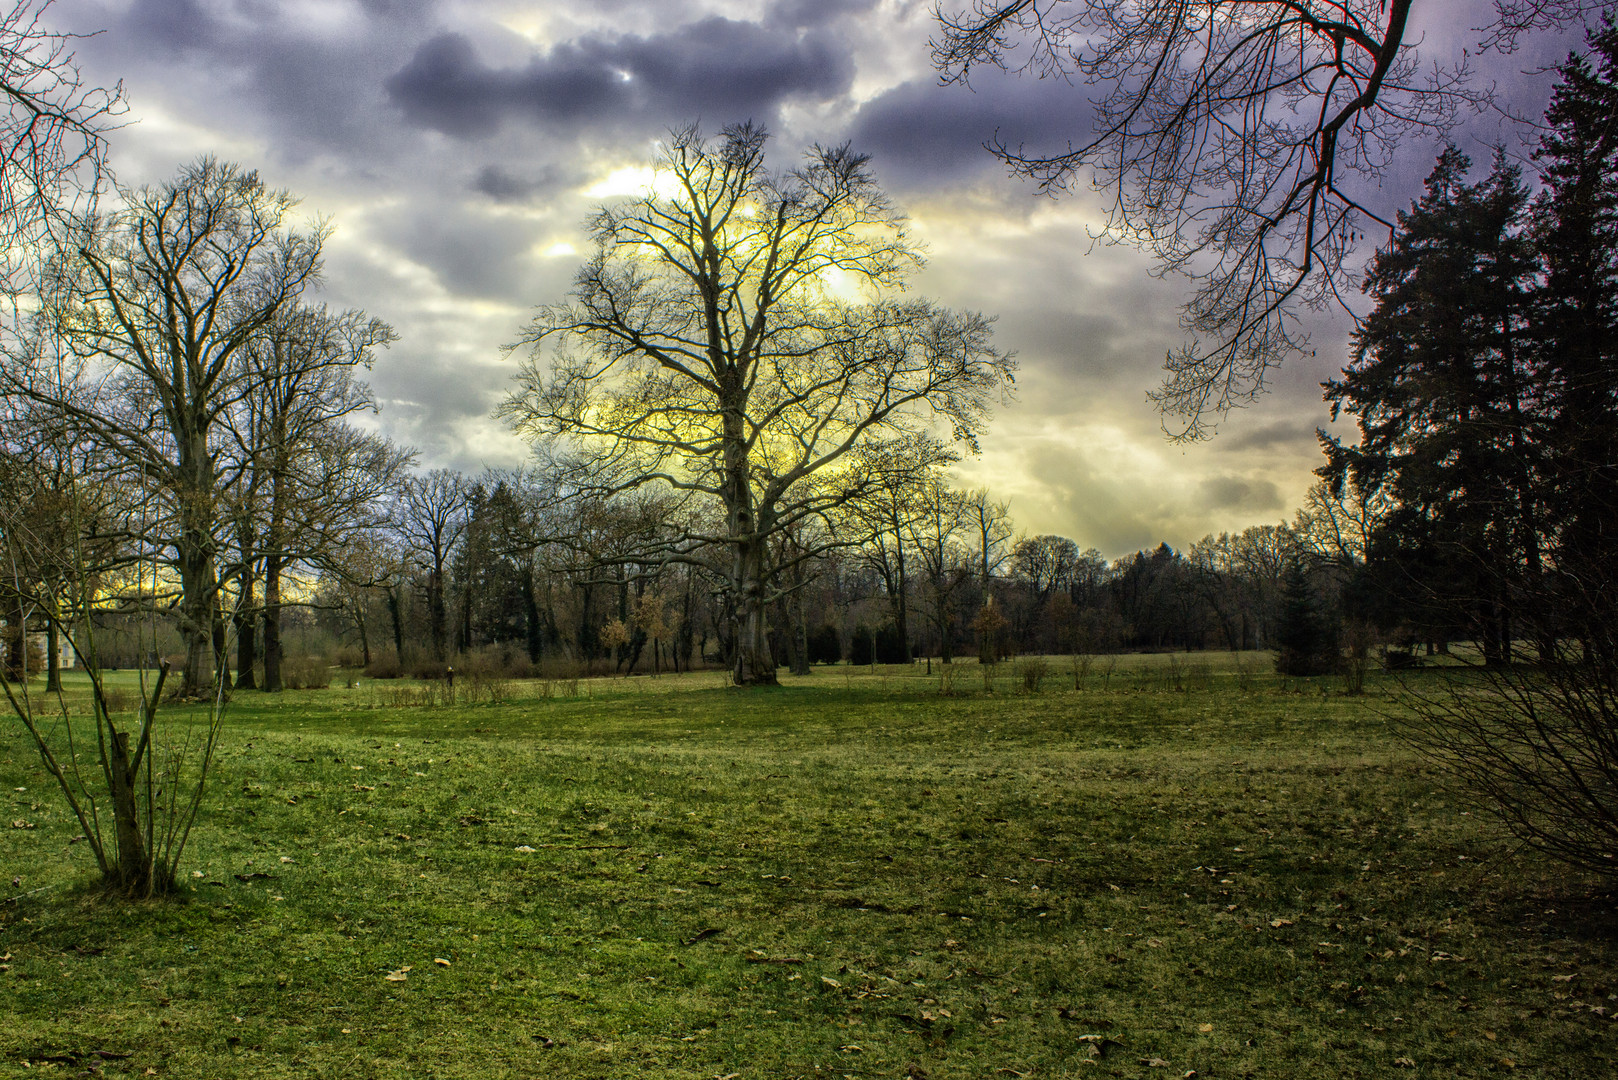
(1033,670)
(306,672)
(384,665)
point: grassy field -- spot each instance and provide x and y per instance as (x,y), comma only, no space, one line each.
(1183,869)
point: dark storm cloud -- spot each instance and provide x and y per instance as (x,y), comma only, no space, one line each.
(717,69)
(501,185)
(924,134)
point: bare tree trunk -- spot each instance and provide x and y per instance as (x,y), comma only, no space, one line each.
(754,663)
(398,624)
(272,624)
(53,659)
(365,637)
(197,583)
(246,619)
(530,615)
(435,610)
(134,861)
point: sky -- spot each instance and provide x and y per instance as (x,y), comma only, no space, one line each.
(457,146)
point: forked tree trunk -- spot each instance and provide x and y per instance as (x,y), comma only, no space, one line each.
(134,865)
(754,664)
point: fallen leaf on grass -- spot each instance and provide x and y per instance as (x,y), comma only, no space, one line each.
(364,787)
(1205,1028)
(1278,923)
(440,961)
(830,981)
(1154,1063)
(1404,1063)
(1554,978)
(21,824)
(396,976)
(523,847)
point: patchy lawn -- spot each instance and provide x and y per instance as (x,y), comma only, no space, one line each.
(1182,869)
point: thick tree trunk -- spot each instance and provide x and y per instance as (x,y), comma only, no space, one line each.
(53,661)
(272,624)
(134,865)
(755,663)
(398,624)
(365,637)
(436,613)
(194,548)
(197,586)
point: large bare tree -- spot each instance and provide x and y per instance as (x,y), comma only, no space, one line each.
(154,308)
(1242,142)
(734,339)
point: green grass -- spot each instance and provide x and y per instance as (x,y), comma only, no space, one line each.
(852,875)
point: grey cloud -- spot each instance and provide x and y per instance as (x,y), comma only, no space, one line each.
(171,24)
(801,13)
(923,134)
(1238,493)
(404,11)
(499,184)
(716,68)
(471,254)
(1290,435)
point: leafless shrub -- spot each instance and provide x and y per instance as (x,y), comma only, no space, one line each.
(306,673)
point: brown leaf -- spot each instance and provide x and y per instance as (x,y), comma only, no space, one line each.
(440,961)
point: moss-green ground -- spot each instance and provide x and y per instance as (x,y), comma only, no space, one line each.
(1174,871)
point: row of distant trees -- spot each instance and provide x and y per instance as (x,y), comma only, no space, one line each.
(499,565)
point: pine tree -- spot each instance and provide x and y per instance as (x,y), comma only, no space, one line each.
(1576,222)
(1440,382)
(1305,641)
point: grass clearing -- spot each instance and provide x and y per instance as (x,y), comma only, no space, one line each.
(853,875)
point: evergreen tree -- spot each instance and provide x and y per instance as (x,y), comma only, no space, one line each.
(1305,637)
(1576,224)
(1440,382)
